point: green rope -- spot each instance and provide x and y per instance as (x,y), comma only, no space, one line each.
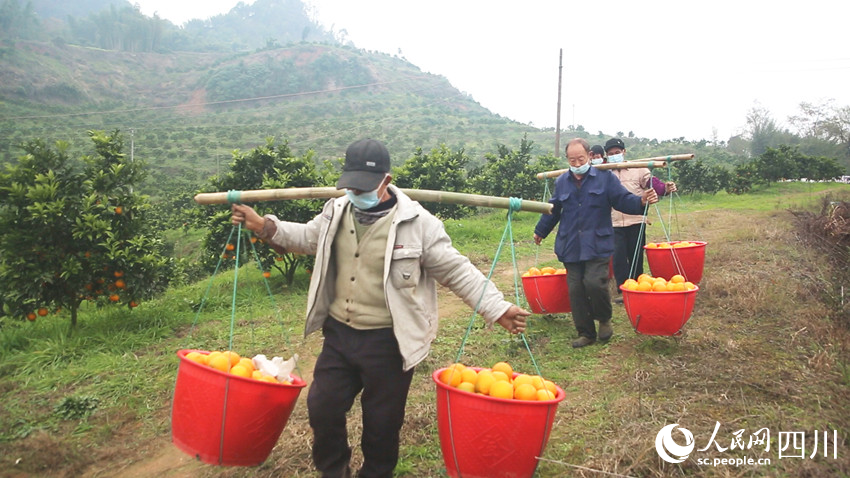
(274,304)
(209,283)
(235,280)
(514,205)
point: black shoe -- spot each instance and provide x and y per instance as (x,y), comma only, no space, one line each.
(618,299)
(582,342)
(605,330)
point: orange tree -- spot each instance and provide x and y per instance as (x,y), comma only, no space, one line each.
(75,230)
(269,166)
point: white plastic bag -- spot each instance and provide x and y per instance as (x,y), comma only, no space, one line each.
(276,367)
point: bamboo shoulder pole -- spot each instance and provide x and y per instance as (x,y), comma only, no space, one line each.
(656,162)
(330,192)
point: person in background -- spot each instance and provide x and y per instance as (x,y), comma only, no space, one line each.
(628,236)
(373,292)
(597,154)
(581,207)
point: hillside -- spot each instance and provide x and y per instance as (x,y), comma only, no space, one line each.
(186,112)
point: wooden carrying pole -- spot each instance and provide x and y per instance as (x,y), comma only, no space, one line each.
(656,162)
(330,192)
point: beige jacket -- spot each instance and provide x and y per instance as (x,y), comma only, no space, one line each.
(419,255)
(636,180)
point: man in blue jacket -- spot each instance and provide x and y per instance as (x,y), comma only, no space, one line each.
(582,204)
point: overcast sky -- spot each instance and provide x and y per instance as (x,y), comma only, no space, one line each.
(662,69)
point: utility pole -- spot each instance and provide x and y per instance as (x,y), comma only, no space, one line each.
(558,119)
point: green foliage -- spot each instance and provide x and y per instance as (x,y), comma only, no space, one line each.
(75,230)
(509,173)
(700,177)
(264,167)
(75,408)
(441,170)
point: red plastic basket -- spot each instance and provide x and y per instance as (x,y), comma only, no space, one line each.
(547,294)
(482,436)
(659,313)
(223,419)
(669,261)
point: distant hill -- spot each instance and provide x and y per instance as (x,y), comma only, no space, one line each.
(188,111)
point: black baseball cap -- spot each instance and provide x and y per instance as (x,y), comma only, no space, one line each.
(366,164)
(614,143)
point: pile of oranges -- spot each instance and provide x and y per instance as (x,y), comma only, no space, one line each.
(647,283)
(670,245)
(499,382)
(231,362)
(543,271)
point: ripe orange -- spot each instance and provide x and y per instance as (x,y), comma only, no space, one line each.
(119,209)
(526,391)
(537,381)
(120,284)
(550,385)
(268,378)
(118,273)
(197,357)
(240,371)
(247,363)
(503,367)
(522,379)
(42,311)
(630,284)
(114,298)
(544,394)
(500,376)
(501,389)
(267,274)
(466,387)
(677,278)
(534,271)
(30,316)
(652,245)
(452,375)
(230,247)
(468,375)
(133,303)
(690,285)
(547,270)
(561,271)
(484,381)
(233,356)
(644,286)
(253,240)
(219,362)
(644,277)
(659,286)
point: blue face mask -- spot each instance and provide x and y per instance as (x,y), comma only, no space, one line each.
(363,201)
(580,169)
(616,158)
(596,161)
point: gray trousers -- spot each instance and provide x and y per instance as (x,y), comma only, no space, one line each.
(589,295)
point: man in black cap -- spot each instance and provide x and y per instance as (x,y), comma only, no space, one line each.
(628,235)
(597,154)
(379,257)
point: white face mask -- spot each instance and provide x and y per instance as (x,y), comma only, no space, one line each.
(616,158)
(580,169)
(596,161)
(363,201)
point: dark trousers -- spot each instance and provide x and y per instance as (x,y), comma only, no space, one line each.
(626,241)
(352,360)
(589,296)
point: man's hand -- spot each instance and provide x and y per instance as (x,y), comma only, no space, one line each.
(513,320)
(670,187)
(649,196)
(248,217)
(537,239)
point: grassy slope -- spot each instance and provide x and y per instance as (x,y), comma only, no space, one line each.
(757,352)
